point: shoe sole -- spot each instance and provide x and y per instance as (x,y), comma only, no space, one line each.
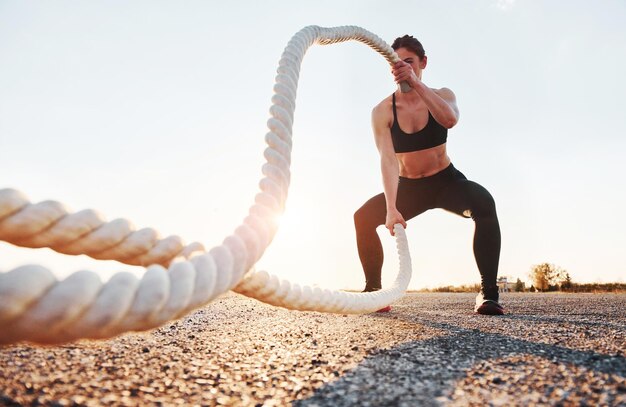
(490,308)
(386,309)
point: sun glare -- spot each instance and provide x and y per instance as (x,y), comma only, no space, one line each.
(289,222)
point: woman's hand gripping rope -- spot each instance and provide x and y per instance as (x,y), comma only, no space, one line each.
(394,217)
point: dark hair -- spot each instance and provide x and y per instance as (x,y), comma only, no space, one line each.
(411,43)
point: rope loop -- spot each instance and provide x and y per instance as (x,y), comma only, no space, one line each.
(36,307)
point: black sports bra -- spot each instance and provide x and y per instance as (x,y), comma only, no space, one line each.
(433,135)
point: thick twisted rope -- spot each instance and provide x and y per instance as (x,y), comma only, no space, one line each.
(35,307)
(49,224)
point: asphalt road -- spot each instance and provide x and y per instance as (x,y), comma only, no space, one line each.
(550,349)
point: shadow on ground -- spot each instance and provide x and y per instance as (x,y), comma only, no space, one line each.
(469,366)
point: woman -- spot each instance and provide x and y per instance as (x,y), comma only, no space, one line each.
(410,130)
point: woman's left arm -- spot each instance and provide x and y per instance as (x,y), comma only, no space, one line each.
(441,103)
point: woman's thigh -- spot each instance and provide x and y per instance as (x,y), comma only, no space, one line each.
(410,202)
(413,200)
(466,198)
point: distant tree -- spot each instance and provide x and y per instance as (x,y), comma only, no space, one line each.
(564,280)
(547,277)
(519,286)
(539,276)
(532,289)
(566,283)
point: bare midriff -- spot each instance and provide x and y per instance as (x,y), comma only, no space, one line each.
(423,163)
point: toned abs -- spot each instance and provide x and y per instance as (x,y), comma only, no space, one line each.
(423,163)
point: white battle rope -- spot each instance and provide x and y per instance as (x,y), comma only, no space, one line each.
(36,307)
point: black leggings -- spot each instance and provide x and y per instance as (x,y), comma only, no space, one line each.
(449,190)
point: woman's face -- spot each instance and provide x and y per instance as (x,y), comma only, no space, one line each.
(412,59)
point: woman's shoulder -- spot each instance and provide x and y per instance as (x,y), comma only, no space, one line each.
(382,112)
(383,106)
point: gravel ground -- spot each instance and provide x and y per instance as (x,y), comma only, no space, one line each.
(551,349)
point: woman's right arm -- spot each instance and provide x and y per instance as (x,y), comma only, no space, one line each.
(388,165)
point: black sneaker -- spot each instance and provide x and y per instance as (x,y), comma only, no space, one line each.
(487,307)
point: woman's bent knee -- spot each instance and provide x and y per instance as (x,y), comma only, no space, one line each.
(371,214)
(365,218)
(482,205)
(485,205)
(360,218)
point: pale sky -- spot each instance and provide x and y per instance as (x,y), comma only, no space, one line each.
(155,111)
